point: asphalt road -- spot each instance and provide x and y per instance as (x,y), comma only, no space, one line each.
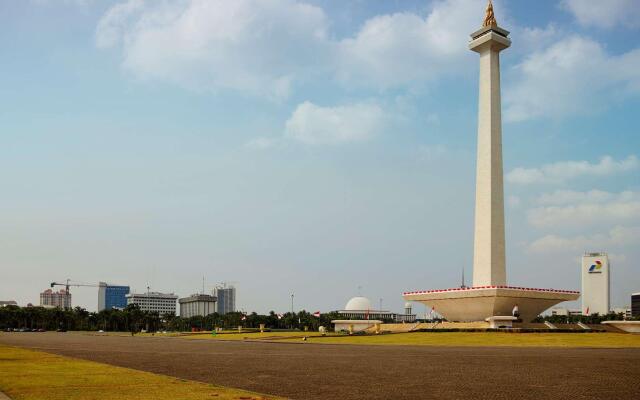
(317,371)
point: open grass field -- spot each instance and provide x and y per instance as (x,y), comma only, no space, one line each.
(474,339)
(35,375)
(250,335)
(309,371)
(483,339)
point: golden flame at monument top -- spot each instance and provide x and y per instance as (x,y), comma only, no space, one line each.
(489,18)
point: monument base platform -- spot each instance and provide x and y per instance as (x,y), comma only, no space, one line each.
(477,303)
(501,321)
(627,326)
(354,325)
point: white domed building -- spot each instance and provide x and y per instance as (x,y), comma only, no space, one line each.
(358,304)
(359,308)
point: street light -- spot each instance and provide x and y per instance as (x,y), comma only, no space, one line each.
(148,305)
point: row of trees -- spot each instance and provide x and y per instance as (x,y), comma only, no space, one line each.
(133,319)
(298,320)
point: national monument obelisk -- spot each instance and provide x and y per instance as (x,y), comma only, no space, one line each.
(489,297)
(488,253)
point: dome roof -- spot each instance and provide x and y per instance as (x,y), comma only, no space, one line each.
(358,304)
(407,305)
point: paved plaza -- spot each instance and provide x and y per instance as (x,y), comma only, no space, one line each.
(320,371)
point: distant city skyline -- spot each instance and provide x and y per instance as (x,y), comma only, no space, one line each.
(309,147)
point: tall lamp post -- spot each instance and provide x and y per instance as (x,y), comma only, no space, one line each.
(292,317)
(148,305)
(146,317)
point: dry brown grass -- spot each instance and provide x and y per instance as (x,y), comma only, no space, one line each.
(35,375)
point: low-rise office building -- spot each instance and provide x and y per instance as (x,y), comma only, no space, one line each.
(565,312)
(197,304)
(8,303)
(162,303)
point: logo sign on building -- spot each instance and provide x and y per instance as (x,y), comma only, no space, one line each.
(596,267)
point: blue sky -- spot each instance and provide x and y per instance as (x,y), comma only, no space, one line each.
(309,147)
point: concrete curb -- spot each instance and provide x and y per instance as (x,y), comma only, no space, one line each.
(4,396)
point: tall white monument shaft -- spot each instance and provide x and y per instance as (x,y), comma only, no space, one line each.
(484,299)
(489,248)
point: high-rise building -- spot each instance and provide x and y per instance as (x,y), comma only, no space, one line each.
(595,283)
(61,299)
(162,303)
(226,299)
(635,305)
(112,296)
(197,304)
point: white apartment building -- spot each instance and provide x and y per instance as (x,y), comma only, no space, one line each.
(162,303)
(61,299)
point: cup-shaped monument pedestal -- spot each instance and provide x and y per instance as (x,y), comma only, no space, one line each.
(478,303)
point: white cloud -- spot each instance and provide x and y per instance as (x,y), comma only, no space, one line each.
(604,14)
(571,77)
(616,237)
(267,47)
(562,197)
(112,26)
(531,39)
(312,124)
(259,47)
(586,208)
(397,49)
(563,171)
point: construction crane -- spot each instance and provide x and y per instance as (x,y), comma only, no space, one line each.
(68,283)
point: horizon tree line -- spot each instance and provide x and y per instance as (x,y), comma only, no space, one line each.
(134,319)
